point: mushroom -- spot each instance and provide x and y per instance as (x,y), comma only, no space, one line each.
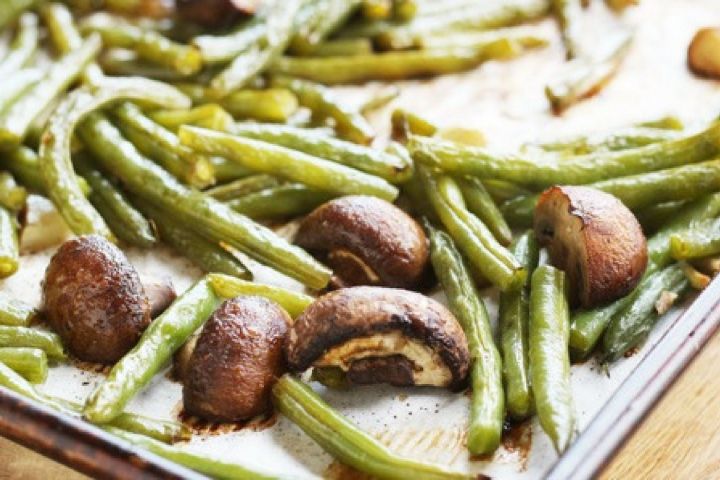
(160,293)
(214,13)
(704,53)
(595,239)
(94,300)
(236,360)
(366,241)
(381,335)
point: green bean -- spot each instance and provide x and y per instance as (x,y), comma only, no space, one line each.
(480,203)
(23,163)
(124,220)
(284,201)
(479,16)
(343,440)
(160,430)
(160,340)
(227,171)
(548,354)
(502,191)
(12,196)
(271,105)
(696,279)
(16,84)
(207,116)
(380,99)
(31,363)
(12,9)
(343,47)
(200,212)
(200,463)
(127,63)
(331,14)
(568,14)
(404,10)
(9,253)
(406,123)
(548,169)
(15,122)
(702,240)
(487,408)
(14,312)
(255,60)
(514,314)
(639,191)
(242,187)
(224,48)
(163,146)
(148,44)
(588,326)
(297,166)
(349,122)
(669,122)
(230,287)
(497,44)
(23,47)
(60,179)
(377,9)
(622,139)
(388,66)
(585,77)
(472,237)
(633,323)
(384,165)
(655,216)
(207,255)
(12,336)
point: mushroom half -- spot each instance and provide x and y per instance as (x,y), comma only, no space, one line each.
(595,239)
(381,335)
(366,241)
(704,53)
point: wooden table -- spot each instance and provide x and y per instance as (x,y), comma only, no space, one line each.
(679,439)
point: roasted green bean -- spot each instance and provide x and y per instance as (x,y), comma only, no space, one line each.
(480,203)
(15,122)
(548,355)
(406,123)
(655,216)
(621,139)
(12,336)
(377,9)
(379,100)
(14,312)
(487,407)
(9,253)
(23,47)
(343,47)
(12,195)
(343,440)
(208,116)
(224,48)
(290,164)
(31,363)
(16,84)
(230,287)
(502,191)
(633,323)
(349,122)
(242,187)
(160,340)
(148,44)
(550,169)
(328,17)
(384,165)
(702,240)
(514,314)
(270,105)
(284,201)
(12,9)
(200,212)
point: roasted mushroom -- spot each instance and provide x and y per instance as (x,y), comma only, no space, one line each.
(366,241)
(94,300)
(214,13)
(236,360)
(704,53)
(595,239)
(160,293)
(381,335)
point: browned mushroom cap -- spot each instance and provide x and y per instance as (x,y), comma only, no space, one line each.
(213,13)
(236,360)
(381,335)
(94,300)
(595,239)
(367,241)
(704,53)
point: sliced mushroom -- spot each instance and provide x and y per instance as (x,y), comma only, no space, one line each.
(381,335)
(214,13)
(595,239)
(704,53)
(367,241)
(94,300)
(236,360)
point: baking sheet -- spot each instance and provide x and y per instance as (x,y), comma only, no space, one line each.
(506,102)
